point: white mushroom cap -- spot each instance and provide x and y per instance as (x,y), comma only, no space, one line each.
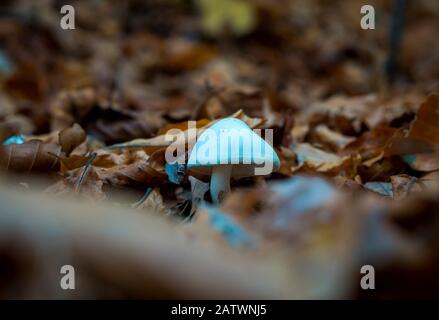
(231,142)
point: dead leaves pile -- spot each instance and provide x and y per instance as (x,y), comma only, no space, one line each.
(331,141)
(359,160)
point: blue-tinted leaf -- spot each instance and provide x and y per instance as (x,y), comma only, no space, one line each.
(225,224)
(299,195)
(410,159)
(15,140)
(6,65)
(175,172)
(383,188)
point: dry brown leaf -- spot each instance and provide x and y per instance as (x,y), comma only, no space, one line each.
(320,160)
(287,159)
(182,55)
(160,141)
(335,140)
(371,144)
(138,173)
(403,185)
(102,115)
(71,137)
(154,202)
(104,160)
(346,114)
(89,187)
(32,155)
(420,146)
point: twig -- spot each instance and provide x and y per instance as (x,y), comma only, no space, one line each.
(85,172)
(143,199)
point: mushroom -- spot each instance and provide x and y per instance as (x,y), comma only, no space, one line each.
(230,149)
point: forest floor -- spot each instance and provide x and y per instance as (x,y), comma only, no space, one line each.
(84,113)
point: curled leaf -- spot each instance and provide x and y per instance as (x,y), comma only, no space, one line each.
(321,160)
(33,155)
(420,146)
(370,145)
(71,137)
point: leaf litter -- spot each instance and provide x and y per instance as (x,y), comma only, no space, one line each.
(358,177)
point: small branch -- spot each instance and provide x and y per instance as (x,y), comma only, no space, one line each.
(143,199)
(85,172)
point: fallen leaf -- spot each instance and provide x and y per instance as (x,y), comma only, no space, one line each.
(335,140)
(161,141)
(383,188)
(154,202)
(403,185)
(420,146)
(370,145)
(70,138)
(320,160)
(32,155)
(138,173)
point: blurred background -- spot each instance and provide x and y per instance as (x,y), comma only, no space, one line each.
(130,69)
(168,56)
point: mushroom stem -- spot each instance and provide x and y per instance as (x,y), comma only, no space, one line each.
(220,182)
